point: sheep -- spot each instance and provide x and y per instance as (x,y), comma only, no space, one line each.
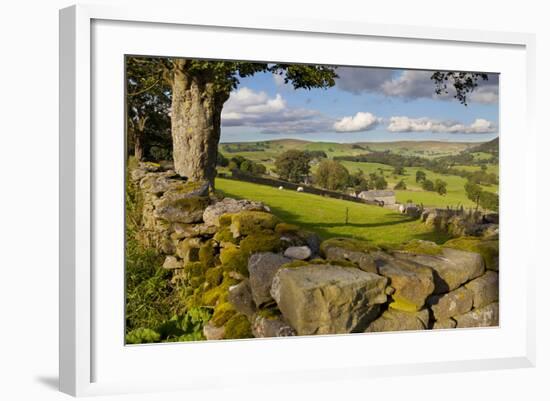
(281,188)
(300,189)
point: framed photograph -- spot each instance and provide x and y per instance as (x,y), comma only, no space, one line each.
(241,194)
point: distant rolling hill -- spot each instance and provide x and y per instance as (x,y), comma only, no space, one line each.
(418,148)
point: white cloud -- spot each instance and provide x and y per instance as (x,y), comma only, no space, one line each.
(360,122)
(425,124)
(246,107)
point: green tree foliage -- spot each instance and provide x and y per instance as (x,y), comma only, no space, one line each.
(316,154)
(292,165)
(332,175)
(440,187)
(400,185)
(377,181)
(148,103)
(489,200)
(399,170)
(428,185)
(463,83)
(473,191)
(358,181)
(420,176)
(222,161)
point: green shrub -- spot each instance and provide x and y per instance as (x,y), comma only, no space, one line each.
(142,335)
(148,289)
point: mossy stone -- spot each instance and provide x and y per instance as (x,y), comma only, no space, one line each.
(218,294)
(214,276)
(238,327)
(284,228)
(207,254)
(261,241)
(225,219)
(195,273)
(222,313)
(225,235)
(403,305)
(349,244)
(250,222)
(269,313)
(421,247)
(488,249)
(234,259)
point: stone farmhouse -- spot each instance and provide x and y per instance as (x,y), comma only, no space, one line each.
(387,197)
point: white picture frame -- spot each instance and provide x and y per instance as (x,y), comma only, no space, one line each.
(90,363)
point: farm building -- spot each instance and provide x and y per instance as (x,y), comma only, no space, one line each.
(388,197)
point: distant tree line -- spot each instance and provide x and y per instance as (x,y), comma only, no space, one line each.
(441,165)
(241,163)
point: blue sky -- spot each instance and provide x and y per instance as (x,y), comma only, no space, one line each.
(366,104)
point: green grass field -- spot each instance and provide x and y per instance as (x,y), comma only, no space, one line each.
(455,185)
(455,195)
(326,216)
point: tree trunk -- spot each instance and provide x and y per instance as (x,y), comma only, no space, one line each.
(138,144)
(196,119)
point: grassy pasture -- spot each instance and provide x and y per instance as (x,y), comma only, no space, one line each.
(326,216)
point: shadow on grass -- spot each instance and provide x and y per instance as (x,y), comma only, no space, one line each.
(326,230)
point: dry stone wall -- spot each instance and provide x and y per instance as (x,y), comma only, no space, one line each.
(263,277)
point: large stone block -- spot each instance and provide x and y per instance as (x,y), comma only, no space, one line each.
(396,320)
(212,213)
(484,289)
(351,250)
(261,269)
(271,327)
(240,297)
(413,283)
(452,267)
(327,299)
(456,302)
(482,317)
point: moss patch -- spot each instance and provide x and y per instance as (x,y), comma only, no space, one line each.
(403,305)
(238,327)
(207,253)
(225,219)
(234,259)
(488,249)
(250,222)
(284,228)
(218,294)
(269,313)
(214,276)
(225,235)
(222,313)
(349,244)
(421,247)
(262,241)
